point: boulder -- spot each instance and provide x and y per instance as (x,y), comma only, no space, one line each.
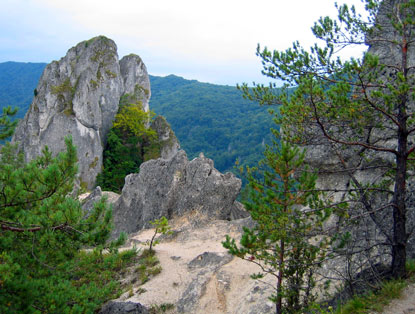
(79,96)
(206,264)
(238,211)
(89,199)
(123,308)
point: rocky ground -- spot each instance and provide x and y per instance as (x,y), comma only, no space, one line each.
(198,275)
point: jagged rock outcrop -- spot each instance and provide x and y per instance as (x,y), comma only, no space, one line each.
(173,187)
(136,80)
(79,96)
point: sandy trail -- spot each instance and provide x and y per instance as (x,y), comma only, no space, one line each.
(225,289)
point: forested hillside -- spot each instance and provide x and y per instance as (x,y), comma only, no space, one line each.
(212,119)
(207,118)
(17,82)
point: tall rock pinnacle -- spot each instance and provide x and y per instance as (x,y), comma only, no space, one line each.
(79,96)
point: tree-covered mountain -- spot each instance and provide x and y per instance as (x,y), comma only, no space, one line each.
(207,118)
(17,82)
(212,119)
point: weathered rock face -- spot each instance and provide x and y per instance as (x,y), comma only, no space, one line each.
(169,144)
(136,80)
(381,41)
(173,187)
(89,199)
(79,96)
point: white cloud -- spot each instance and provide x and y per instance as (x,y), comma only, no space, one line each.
(190,33)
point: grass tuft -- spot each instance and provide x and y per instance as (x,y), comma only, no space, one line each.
(162,308)
(148,266)
(376,300)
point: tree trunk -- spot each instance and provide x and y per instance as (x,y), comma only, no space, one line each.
(399,196)
(278,304)
(399,219)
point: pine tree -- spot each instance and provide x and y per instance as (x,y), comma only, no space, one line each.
(287,241)
(42,229)
(361,110)
(6,125)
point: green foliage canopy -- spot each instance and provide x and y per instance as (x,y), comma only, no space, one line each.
(212,119)
(134,121)
(18,81)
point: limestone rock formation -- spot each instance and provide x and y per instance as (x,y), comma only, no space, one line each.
(169,144)
(173,187)
(79,96)
(136,80)
(238,211)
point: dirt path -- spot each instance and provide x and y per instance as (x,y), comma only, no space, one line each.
(226,289)
(404,305)
(229,289)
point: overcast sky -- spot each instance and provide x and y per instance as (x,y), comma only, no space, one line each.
(209,40)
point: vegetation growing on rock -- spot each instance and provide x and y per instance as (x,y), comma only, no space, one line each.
(130,141)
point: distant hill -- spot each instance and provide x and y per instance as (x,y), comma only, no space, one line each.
(212,119)
(17,82)
(208,118)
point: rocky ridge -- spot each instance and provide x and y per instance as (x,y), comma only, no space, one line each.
(173,188)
